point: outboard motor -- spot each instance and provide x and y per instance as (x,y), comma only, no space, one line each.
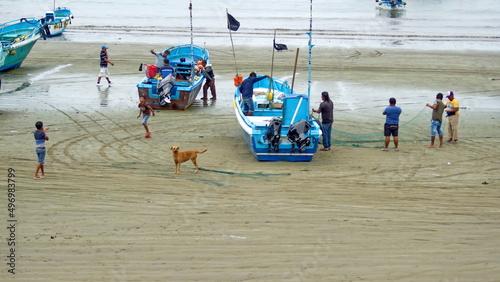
(297,135)
(273,134)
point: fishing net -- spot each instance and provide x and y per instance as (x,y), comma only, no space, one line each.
(416,129)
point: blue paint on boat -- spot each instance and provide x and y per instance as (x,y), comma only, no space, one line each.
(17,37)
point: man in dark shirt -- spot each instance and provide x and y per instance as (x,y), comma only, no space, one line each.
(326,111)
(104,72)
(246,90)
(208,72)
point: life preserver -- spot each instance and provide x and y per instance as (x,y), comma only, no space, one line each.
(238,80)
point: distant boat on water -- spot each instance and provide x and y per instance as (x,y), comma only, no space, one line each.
(391,4)
(17,37)
(56,21)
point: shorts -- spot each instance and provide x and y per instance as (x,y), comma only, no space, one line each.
(248,105)
(104,72)
(436,126)
(145,119)
(391,129)
(40,152)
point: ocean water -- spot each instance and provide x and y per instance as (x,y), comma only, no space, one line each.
(424,24)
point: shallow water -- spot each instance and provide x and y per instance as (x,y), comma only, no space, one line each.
(424,24)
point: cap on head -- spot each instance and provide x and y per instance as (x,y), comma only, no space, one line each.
(450,93)
(104,47)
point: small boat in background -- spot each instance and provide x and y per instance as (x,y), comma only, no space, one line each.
(185,83)
(391,4)
(17,38)
(56,21)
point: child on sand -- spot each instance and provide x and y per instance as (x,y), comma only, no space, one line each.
(146,112)
(40,138)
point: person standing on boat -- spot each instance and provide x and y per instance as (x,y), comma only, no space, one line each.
(104,65)
(326,111)
(452,107)
(166,66)
(160,56)
(40,138)
(246,90)
(391,125)
(208,72)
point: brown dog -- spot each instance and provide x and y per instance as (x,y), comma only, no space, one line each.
(180,157)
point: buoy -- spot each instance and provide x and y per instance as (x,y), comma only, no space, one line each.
(238,80)
(17,39)
(12,52)
(269,96)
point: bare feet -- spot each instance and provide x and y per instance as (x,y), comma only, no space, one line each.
(430,146)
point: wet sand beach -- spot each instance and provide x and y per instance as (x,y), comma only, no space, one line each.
(111,208)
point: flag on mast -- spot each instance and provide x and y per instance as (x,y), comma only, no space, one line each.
(279,46)
(232,23)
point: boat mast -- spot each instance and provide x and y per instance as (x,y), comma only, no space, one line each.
(309,67)
(192,52)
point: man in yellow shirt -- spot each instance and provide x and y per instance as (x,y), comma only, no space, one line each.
(452,107)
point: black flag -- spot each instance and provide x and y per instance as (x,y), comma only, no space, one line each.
(232,23)
(279,47)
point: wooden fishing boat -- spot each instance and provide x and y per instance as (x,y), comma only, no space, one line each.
(177,90)
(281,127)
(56,21)
(391,4)
(17,37)
(187,81)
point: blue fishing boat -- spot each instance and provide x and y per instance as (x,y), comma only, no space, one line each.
(281,127)
(391,4)
(17,38)
(175,91)
(56,21)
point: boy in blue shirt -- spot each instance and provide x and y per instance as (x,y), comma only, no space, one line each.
(391,125)
(40,138)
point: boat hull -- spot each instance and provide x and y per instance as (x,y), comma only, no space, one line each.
(185,89)
(290,109)
(17,39)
